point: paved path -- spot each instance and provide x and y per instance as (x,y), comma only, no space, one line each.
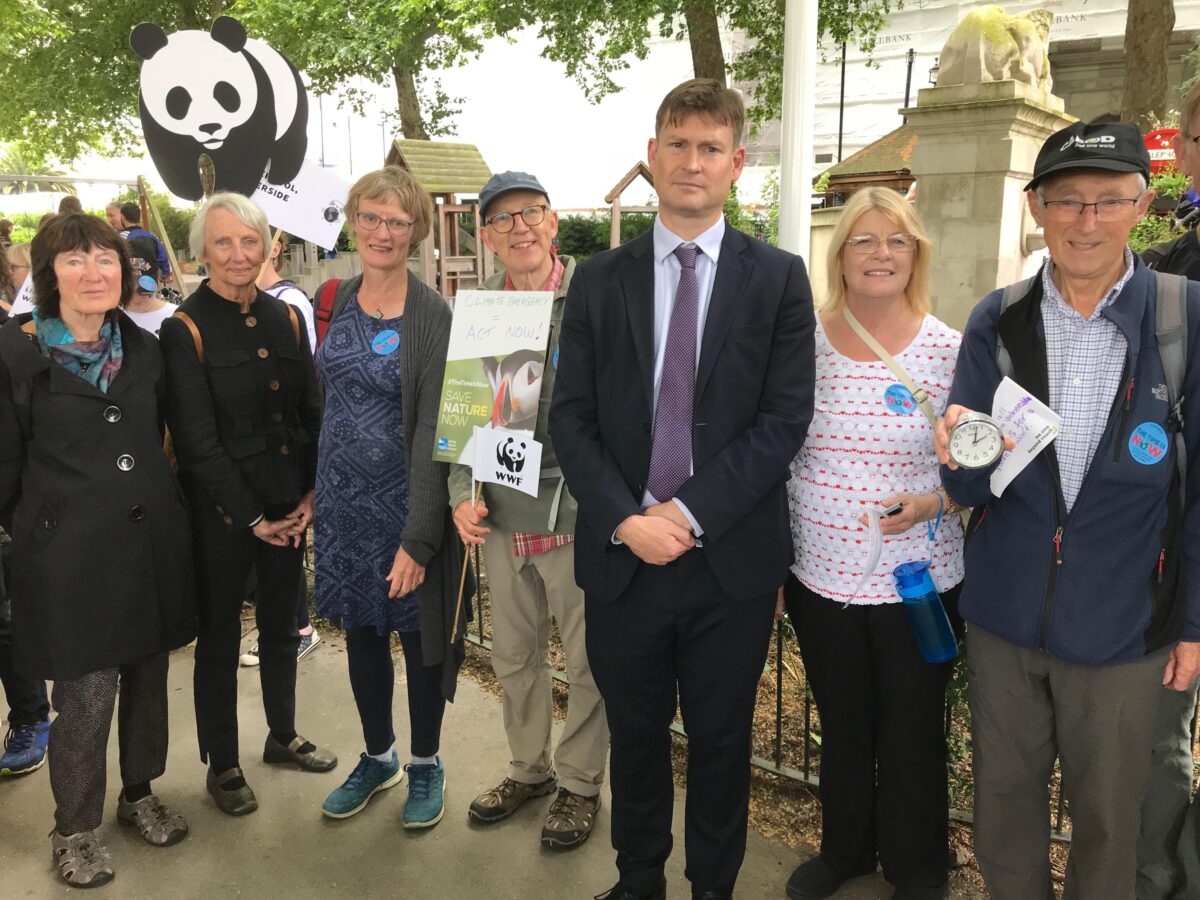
(287,849)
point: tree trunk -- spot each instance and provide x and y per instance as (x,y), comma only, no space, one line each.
(704,35)
(1148,27)
(409,105)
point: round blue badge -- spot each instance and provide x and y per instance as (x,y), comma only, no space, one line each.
(900,400)
(387,341)
(1148,444)
(554,361)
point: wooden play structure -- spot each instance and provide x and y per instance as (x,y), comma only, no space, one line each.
(613,199)
(452,258)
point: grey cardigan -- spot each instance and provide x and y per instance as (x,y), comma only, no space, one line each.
(425,337)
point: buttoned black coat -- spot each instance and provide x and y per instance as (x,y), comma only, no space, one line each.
(102,551)
(246,419)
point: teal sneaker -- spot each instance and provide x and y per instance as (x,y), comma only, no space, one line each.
(369,777)
(426,795)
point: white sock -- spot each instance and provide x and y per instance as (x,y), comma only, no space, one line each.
(385,757)
(423,760)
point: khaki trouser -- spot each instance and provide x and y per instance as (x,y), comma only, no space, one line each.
(1168,796)
(1027,708)
(526,591)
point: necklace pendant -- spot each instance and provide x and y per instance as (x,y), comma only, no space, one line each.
(378,314)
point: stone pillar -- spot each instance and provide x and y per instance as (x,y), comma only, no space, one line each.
(975,152)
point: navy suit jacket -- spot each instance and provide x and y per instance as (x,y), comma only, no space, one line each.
(752,408)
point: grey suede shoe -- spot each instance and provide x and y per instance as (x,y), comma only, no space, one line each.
(158,825)
(80,859)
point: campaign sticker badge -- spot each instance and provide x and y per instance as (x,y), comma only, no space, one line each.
(386,342)
(1148,444)
(900,400)
(554,360)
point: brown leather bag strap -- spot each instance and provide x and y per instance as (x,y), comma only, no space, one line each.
(196,339)
(30,327)
(295,322)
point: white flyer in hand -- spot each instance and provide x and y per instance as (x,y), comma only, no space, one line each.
(1029,422)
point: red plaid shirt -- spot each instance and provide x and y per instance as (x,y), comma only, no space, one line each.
(537,544)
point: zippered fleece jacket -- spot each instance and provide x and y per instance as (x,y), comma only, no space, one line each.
(1119,576)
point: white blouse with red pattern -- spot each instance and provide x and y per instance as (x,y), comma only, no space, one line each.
(868,441)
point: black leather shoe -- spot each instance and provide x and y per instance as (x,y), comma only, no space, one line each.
(620,892)
(713,895)
(815,880)
(237,802)
(315,760)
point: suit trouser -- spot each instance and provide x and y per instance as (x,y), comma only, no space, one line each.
(1028,707)
(883,733)
(672,632)
(224,559)
(526,591)
(1168,795)
(79,737)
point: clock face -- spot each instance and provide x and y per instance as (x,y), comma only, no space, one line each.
(976,443)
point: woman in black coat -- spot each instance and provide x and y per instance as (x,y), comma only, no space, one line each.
(103,577)
(245,412)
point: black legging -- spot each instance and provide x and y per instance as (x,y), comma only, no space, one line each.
(369,655)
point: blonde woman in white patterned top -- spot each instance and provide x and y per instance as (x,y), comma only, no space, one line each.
(882,707)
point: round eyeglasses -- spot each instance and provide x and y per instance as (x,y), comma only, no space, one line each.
(502,223)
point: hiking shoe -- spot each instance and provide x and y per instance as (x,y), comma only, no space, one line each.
(81,860)
(307,642)
(506,798)
(250,657)
(569,822)
(25,748)
(426,795)
(158,825)
(369,777)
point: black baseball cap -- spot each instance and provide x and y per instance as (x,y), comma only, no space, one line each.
(503,182)
(1110,146)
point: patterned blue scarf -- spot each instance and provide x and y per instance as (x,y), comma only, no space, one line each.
(96,362)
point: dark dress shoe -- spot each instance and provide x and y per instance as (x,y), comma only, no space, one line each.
(713,895)
(815,880)
(314,760)
(236,802)
(621,892)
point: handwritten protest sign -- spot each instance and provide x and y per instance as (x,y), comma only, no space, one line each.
(494,367)
(1029,422)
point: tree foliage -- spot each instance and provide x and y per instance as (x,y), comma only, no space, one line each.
(594,39)
(15,159)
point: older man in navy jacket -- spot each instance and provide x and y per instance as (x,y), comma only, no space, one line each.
(1068,650)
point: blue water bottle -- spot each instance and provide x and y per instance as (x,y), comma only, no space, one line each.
(930,624)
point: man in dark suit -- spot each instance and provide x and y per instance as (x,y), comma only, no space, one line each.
(684,390)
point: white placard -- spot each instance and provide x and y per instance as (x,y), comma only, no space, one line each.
(23,302)
(311,206)
(1029,422)
(496,323)
(508,458)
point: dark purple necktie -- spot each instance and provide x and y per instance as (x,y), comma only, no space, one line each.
(671,451)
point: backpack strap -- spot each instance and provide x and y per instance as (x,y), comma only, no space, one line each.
(191,326)
(1012,293)
(324,311)
(295,322)
(1170,331)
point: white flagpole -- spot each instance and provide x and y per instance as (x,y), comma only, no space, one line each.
(799,113)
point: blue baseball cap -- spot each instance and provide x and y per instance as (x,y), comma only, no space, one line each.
(147,285)
(503,183)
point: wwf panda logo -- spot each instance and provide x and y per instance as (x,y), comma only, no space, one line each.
(223,94)
(511,454)
(332,212)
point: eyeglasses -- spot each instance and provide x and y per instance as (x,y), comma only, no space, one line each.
(502,223)
(869,243)
(371,222)
(1106,210)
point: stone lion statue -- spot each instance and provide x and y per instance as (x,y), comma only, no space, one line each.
(991,45)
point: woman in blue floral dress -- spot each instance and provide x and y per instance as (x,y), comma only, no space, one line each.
(385,559)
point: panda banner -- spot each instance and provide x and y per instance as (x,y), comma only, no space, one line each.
(494,368)
(507,458)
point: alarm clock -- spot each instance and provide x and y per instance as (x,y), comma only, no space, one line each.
(976,441)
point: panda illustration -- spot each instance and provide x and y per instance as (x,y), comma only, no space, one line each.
(511,454)
(220,93)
